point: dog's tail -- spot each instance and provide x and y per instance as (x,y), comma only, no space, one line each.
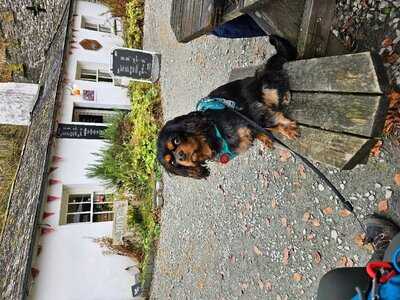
(285,52)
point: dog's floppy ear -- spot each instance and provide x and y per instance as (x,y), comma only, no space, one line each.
(198,172)
(192,123)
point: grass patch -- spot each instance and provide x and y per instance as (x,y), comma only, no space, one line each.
(11,142)
(129,164)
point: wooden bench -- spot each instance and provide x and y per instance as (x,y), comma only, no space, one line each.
(305,23)
(339,103)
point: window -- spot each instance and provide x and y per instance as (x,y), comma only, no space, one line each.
(93,115)
(95,25)
(90,207)
(95,75)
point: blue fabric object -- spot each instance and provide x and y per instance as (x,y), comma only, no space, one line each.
(240,27)
(226,154)
(391,289)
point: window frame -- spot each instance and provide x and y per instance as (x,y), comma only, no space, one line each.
(96,25)
(65,208)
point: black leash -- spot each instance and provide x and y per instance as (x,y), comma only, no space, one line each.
(346,203)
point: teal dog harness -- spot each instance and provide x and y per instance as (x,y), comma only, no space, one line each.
(225,154)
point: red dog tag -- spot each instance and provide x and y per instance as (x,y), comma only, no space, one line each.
(224,159)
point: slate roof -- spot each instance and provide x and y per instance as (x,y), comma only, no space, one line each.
(44,53)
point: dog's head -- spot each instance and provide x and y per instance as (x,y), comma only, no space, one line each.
(186,143)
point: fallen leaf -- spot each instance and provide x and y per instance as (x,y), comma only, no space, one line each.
(257,251)
(328,210)
(376,150)
(383,206)
(232,259)
(349,263)
(359,239)
(344,213)
(286,255)
(390,58)
(316,222)
(311,236)
(274,204)
(261,284)
(317,257)
(297,277)
(268,286)
(342,262)
(387,42)
(284,155)
(397,179)
(302,170)
(306,216)
(369,248)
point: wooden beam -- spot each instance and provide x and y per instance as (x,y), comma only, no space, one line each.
(338,150)
(281,17)
(315,28)
(354,73)
(347,113)
(193,18)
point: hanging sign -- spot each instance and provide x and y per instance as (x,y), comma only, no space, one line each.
(134,64)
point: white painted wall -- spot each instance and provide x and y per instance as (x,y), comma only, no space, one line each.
(71,265)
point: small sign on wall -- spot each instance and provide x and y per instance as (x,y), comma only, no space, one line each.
(134,64)
(79,131)
(88,95)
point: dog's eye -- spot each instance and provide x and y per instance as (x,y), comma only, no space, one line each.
(176,141)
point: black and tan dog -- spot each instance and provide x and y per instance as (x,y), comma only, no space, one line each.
(187,142)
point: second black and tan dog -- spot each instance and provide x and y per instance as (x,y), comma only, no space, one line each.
(186,143)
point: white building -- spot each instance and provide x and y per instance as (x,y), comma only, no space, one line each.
(67,264)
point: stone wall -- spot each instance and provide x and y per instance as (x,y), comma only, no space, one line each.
(17,238)
(29,36)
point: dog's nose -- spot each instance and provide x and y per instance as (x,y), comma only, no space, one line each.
(181,155)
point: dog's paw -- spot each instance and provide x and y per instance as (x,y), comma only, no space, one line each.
(291,130)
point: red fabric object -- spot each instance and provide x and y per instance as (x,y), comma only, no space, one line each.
(375,266)
(34,272)
(54,181)
(224,159)
(52,198)
(47,214)
(56,158)
(52,169)
(46,230)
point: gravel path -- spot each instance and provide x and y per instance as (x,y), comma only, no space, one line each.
(261,227)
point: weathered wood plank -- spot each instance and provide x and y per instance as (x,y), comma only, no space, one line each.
(354,73)
(193,18)
(315,28)
(281,17)
(349,113)
(335,149)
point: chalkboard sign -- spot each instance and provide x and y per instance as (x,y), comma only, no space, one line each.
(135,64)
(78,131)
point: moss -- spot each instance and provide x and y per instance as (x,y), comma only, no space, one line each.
(11,142)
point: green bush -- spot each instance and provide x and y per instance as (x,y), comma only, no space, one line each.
(128,162)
